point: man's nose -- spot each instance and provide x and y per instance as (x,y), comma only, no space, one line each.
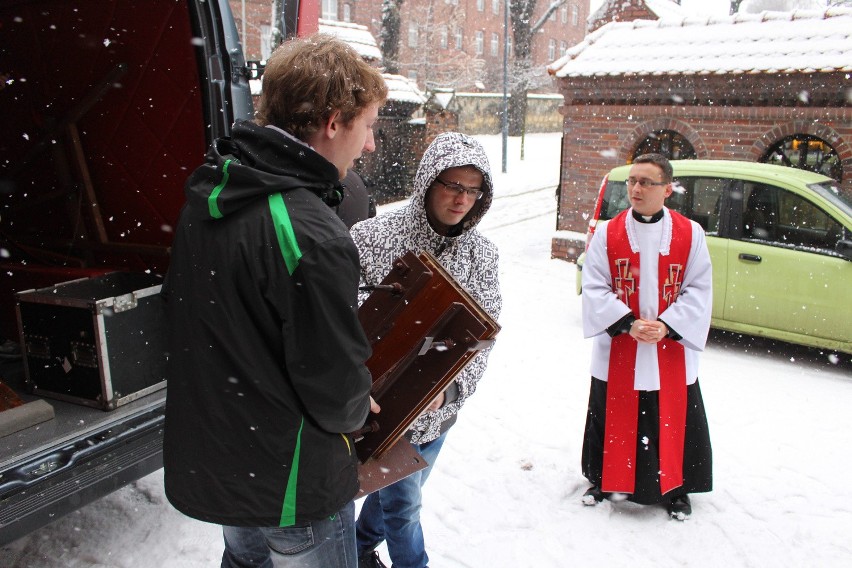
(370,142)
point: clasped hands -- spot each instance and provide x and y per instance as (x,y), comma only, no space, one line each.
(648,331)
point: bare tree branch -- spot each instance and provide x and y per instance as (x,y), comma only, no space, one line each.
(550,9)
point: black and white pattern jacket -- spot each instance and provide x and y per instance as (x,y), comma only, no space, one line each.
(470,257)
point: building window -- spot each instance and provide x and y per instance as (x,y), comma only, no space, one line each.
(669,143)
(552,16)
(563,47)
(412,75)
(563,11)
(445,33)
(347,12)
(480,5)
(480,41)
(265,41)
(510,45)
(551,49)
(806,152)
(329,9)
(495,44)
(412,34)
(459,38)
(575,14)
(495,6)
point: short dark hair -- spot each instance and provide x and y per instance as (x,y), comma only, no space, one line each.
(658,160)
(307,79)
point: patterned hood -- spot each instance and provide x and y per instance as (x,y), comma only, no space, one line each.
(450,150)
(469,256)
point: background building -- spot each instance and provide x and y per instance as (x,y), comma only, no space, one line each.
(253,19)
(459,43)
(771,87)
(443,43)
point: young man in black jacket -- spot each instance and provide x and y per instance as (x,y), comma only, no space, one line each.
(267,356)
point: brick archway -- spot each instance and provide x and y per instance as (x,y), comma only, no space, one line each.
(648,127)
(781,131)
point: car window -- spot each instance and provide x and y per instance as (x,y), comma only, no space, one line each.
(614,200)
(835,194)
(695,197)
(786,219)
(760,211)
(699,199)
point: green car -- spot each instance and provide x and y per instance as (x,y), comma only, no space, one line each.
(780,241)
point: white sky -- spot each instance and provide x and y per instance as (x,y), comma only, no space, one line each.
(506,490)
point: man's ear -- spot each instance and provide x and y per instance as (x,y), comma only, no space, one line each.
(669,189)
(332,125)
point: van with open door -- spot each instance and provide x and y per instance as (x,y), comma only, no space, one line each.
(107,107)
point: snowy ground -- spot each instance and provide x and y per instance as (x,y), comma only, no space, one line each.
(506,490)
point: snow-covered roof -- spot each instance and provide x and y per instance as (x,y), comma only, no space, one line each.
(402,89)
(769,42)
(443,98)
(356,35)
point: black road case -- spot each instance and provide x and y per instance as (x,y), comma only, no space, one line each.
(96,341)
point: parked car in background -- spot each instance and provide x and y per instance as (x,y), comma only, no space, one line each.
(780,241)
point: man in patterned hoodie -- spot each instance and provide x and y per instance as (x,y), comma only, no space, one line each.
(452,192)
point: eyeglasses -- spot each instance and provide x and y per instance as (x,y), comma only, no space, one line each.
(458,189)
(644,182)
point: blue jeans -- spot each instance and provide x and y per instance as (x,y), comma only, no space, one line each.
(393,514)
(329,543)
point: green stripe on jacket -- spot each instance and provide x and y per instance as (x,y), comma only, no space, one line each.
(288,509)
(212,205)
(284,231)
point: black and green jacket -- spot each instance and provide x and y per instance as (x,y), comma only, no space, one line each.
(267,355)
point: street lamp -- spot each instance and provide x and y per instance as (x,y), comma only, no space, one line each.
(505,82)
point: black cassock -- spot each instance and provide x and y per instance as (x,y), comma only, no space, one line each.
(697,453)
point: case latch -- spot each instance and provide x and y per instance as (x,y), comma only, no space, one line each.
(124,302)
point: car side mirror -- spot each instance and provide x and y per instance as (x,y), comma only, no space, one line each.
(844,248)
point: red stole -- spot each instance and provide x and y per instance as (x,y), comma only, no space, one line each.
(622,405)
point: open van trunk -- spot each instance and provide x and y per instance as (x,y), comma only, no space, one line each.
(107,106)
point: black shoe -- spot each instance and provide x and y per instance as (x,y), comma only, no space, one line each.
(370,560)
(680,508)
(593,496)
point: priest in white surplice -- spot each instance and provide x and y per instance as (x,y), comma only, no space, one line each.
(647,298)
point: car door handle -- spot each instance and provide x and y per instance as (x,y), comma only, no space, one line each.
(750,257)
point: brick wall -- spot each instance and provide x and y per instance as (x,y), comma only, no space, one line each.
(736,133)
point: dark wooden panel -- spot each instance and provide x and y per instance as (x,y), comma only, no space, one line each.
(424,328)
